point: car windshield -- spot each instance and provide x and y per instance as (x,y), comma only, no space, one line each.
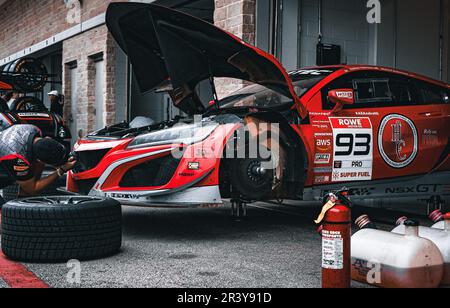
(261,97)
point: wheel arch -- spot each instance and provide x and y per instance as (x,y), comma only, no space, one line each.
(297,159)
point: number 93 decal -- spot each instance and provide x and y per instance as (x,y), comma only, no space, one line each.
(353,149)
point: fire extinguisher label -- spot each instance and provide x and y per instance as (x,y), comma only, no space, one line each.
(332,250)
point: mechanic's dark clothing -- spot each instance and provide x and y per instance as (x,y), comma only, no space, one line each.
(3,105)
(57,107)
(16,154)
(4,122)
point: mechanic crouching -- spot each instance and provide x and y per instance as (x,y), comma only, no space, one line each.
(23,156)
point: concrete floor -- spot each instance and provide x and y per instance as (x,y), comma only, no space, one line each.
(277,246)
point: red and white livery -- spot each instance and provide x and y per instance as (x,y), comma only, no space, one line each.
(381,132)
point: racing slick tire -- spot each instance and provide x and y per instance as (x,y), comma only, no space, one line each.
(26,74)
(28,104)
(58,229)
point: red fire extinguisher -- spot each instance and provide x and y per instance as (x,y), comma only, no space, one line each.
(336,240)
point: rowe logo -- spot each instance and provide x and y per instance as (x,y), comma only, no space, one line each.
(351,122)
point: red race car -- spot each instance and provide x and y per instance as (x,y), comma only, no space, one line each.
(381,132)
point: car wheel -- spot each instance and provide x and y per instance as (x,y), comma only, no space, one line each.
(249,180)
(58,229)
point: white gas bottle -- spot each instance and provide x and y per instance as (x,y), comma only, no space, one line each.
(440,237)
(437,217)
(443,224)
(390,260)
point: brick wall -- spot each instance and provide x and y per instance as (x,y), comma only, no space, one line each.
(237,17)
(81,49)
(24,23)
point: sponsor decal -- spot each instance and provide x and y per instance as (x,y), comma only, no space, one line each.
(123,196)
(367,114)
(321,127)
(323,135)
(321,179)
(194,166)
(322,114)
(33,115)
(322,170)
(342,176)
(186,174)
(322,158)
(323,145)
(320,122)
(313,72)
(421,189)
(352,149)
(363,191)
(366,191)
(398,141)
(430,137)
(344,94)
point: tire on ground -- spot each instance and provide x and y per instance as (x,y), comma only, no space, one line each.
(59,229)
(11,192)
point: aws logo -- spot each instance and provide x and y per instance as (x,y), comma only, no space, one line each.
(323,145)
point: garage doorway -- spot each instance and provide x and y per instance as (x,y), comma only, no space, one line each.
(73,71)
(158,106)
(99,82)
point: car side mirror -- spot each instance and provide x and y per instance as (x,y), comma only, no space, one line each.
(341,97)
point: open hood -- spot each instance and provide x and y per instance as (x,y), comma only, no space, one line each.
(166,45)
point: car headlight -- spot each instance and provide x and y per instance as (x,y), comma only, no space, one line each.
(183,134)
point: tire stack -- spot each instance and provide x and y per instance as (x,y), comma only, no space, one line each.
(25,75)
(59,229)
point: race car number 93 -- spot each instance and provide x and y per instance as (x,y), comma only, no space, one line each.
(346,144)
(353,149)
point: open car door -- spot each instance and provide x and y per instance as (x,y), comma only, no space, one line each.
(164,44)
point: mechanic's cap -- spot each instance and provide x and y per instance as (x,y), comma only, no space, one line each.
(54,93)
(50,152)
